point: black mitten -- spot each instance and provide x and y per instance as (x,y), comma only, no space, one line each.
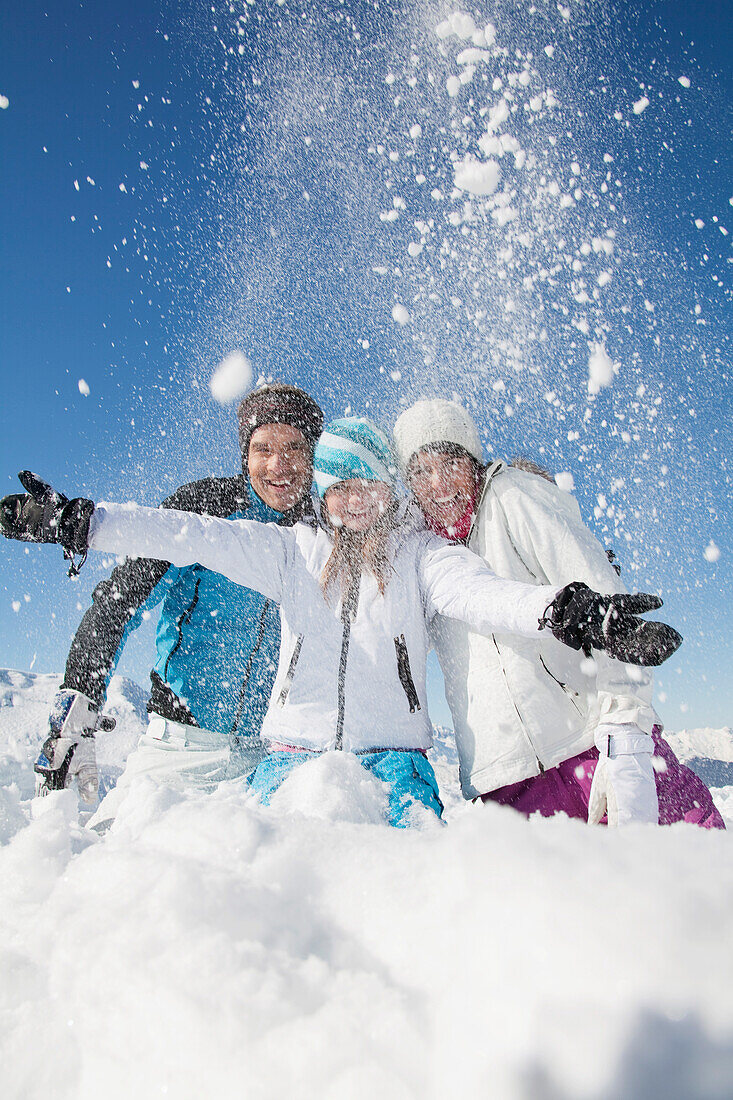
(44,515)
(584,619)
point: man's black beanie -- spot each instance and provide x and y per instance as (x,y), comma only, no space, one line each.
(277,403)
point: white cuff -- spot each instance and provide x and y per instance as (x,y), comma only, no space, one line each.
(95,522)
(625,740)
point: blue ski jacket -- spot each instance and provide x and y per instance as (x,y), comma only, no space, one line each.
(217,643)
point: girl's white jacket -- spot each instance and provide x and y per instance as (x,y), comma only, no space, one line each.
(357,685)
(521,705)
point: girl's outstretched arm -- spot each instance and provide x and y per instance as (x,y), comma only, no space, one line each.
(254,555)
(250,553)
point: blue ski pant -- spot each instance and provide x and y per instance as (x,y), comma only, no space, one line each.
(408,775)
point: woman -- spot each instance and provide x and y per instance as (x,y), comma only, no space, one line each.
(531,719)
(355,593)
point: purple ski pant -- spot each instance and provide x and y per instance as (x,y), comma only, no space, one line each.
(565,789)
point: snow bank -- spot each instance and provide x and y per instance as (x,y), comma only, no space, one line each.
(25,700)
(210,947)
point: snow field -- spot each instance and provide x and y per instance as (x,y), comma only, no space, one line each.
(210,947)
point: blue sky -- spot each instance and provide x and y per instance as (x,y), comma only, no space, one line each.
(185,179)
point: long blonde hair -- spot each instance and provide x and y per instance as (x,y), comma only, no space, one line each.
(353,552)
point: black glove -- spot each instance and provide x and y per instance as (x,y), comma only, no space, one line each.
(584,619)
(68,753)
(43,515)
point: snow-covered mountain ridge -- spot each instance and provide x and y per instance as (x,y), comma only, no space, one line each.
(209,947)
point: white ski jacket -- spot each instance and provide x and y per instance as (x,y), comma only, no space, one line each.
(353,684)
(521,705)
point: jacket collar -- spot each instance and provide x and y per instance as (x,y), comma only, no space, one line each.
(257,509)
(491,470)
(487,476)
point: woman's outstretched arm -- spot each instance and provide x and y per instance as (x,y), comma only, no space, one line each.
(460,585)
(254,555)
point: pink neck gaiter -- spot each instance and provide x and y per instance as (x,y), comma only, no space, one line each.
(458,530)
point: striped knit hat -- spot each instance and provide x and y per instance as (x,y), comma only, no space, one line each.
(352,447)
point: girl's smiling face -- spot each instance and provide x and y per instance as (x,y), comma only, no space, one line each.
(443,484)
(357,504)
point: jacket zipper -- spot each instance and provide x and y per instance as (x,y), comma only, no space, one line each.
(404,673)
(183,619)
(282,697)
(349,608)
(487,481)
(346,623)
(540,765)
(250,662)
(567,690)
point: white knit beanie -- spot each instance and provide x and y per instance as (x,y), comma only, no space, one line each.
(435,422)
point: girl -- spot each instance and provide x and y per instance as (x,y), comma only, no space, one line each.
(356,592)
(535,729)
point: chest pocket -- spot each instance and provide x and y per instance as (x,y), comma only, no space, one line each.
(404,673)
(568,691)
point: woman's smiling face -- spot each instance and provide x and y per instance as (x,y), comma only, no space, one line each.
(443,483)
(357,504)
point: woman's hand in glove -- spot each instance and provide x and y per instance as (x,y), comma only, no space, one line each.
(584,619)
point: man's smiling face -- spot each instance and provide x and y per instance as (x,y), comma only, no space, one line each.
(279,463)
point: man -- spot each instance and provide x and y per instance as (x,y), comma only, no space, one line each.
(217,643)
